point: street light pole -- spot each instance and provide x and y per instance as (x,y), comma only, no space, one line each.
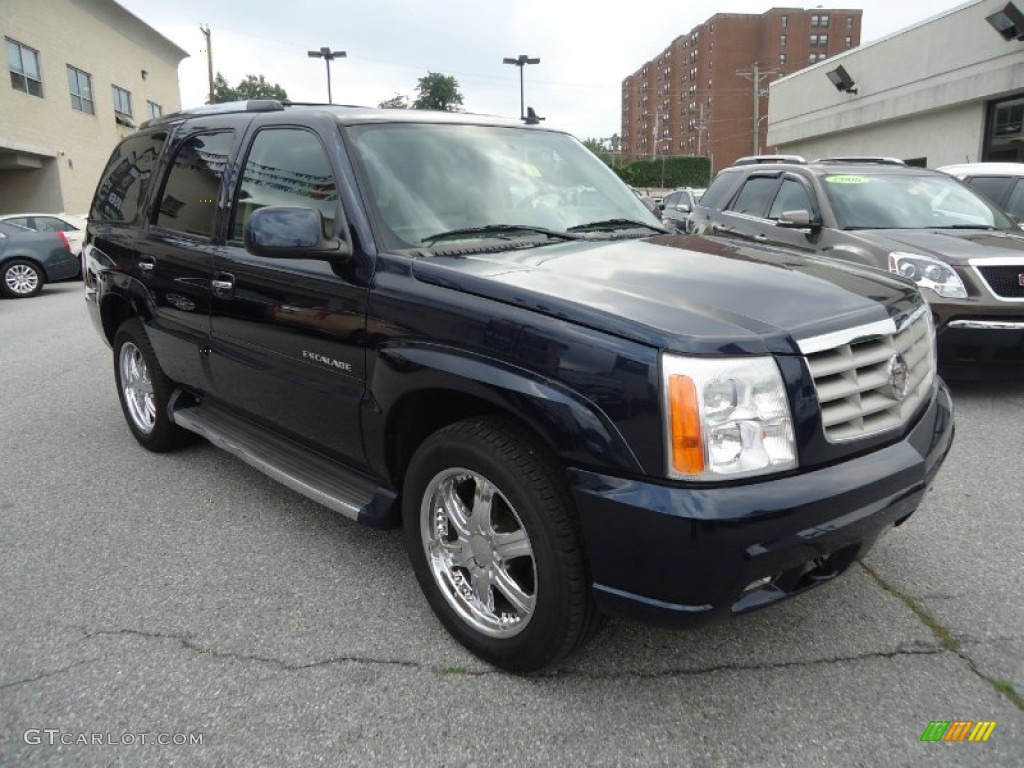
(521,61)
(328,56)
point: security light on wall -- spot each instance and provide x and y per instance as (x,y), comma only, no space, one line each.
(841,79)
(1008,22)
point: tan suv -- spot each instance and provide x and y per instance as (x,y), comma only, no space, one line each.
(965,254)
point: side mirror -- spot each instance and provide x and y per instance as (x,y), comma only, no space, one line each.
(683,208)
(797,220)
(291,233)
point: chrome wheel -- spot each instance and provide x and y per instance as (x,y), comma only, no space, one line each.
(137,388)
(478,552)
(21,279)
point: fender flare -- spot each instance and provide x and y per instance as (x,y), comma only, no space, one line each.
(574,427)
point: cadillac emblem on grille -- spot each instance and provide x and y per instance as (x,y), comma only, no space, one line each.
(899,377)
(1020,279)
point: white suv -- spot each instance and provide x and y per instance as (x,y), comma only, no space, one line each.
(1002,183)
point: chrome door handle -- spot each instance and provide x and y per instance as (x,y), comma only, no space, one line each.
(223,284)
(146,263)
(761,238)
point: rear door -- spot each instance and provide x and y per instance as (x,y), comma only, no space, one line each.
(288,335)
(175,252)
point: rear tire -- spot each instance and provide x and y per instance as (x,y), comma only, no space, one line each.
(493,541)
(144,391)
(21,279)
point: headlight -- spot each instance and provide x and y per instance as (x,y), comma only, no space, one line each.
(725,418)
(928,273)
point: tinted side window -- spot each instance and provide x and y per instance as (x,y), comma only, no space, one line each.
(126,178)
(188,202)
(755,196)
(719,189)
(992,187)
(671,199)
(286,166)
(792,196)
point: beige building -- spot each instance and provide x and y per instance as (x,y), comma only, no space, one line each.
(947,90)
(81,74)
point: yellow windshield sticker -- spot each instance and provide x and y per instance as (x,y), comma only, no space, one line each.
(531,170)
(846,179)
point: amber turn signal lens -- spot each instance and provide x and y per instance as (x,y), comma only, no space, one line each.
(687,446)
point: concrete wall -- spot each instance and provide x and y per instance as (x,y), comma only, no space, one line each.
(950,136)
(114,47)
(921,92)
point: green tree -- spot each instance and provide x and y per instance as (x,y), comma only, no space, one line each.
(437,91)
(398,101)
(251,87)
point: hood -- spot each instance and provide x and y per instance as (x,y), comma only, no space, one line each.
(954,246)
(690,294)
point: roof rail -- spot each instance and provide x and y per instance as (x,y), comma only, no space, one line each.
(866,159)
(759,159)
(222,108)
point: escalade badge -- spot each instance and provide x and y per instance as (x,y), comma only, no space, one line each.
(899,377)
(316,356)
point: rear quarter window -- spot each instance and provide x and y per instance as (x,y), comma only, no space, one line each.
(126,179)
(719,190)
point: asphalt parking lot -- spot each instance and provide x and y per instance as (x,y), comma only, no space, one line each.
(186,597)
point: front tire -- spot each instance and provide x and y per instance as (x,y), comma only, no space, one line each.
(491,534)
(21,279)
(144,391)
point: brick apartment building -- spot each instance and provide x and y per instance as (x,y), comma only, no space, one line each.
(696,97)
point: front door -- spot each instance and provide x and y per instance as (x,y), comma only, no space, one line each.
(288,334)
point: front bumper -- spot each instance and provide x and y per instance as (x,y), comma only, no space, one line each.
(982,345)
(674,556)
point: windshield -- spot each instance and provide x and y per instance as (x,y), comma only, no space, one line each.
(911,201)
(424,180)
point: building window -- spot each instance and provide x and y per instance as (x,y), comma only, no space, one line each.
(782,41)
(849,41)
(80,85)
(782,59)
(24,65)
(785,21)
(122,101)
(824,20)
(814,21)
(849,22)
(814,40)
(823,40)
(154,110)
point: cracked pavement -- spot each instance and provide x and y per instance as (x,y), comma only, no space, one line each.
(186,593)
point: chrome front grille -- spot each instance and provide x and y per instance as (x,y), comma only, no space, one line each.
(857,375)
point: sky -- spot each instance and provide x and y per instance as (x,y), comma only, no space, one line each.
(585,50)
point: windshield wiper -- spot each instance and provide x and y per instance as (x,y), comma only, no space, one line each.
(965,226)
(498,230)
(611,225)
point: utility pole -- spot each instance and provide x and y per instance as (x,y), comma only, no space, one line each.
(756,75)
(209,57)
(700,129)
